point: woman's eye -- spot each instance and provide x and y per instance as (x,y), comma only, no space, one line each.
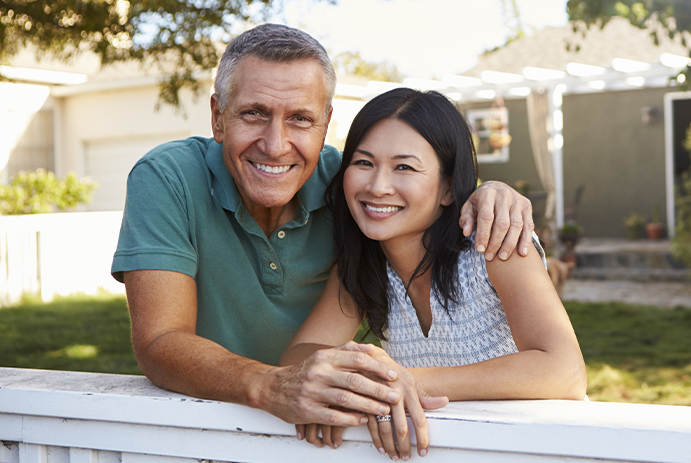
(404,167)
(360,162)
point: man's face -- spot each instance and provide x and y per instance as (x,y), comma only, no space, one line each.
(273,129)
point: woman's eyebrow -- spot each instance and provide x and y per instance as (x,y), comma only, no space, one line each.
(398,156)
(366,153)
(407,156)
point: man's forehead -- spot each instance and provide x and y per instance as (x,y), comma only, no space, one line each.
(262,82)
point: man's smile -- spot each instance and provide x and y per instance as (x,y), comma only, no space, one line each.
(271,169)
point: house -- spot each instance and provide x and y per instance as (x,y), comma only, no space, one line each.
(610,133)
(616,127)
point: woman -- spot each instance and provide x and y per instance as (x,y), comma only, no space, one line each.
(452,325)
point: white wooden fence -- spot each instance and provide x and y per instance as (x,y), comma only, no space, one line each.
(66,417)
(57,254)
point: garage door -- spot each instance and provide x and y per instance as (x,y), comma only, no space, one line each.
(108,162)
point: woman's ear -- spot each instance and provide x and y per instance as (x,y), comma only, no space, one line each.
(447,195)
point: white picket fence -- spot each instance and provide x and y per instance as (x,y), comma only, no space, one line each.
(67,417)
(57,254)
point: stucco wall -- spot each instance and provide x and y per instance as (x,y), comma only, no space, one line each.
(620,160)
(123,114)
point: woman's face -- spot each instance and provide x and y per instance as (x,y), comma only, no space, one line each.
(393,184)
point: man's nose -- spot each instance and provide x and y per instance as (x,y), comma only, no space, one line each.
(276,139)
(380,184)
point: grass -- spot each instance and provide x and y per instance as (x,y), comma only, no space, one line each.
(632,353)
(78,333)
(635,353)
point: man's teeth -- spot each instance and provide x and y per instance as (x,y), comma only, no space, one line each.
(271,169)
(383,209)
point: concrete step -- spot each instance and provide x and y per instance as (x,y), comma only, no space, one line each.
(641,260)
(632,274)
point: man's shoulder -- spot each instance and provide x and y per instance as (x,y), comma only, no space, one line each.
(329,163)
(185,151)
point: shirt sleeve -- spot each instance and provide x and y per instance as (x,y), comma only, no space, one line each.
(155,232)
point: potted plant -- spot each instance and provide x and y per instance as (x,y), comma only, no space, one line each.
(634,225)
(570,235)
(655,229)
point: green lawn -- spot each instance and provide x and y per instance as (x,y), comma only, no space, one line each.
(633,353)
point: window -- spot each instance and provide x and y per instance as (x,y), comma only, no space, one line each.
(490,133)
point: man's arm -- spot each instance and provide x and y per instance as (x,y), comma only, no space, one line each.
(163,309)
(503,216)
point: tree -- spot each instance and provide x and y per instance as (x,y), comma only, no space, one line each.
(175,36)
(668,17)
(351,62)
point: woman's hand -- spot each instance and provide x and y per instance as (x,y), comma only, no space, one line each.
(413,400)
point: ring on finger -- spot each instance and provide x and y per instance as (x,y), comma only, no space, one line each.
(381,419)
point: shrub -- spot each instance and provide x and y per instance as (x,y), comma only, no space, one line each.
(681,242)
(41,192)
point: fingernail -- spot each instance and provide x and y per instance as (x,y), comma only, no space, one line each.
(481,248)
(503,256)
(489,256)
(393,397)
(394,458)
(423,453)
(363,420)
(406,458)
(300,437)
(384,410)
(525,251)
(392,374)
(381,450)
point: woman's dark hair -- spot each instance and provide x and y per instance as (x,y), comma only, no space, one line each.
(361,261)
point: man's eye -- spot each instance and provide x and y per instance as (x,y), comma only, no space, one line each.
(302,120)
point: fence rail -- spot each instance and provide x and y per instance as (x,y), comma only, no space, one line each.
(68,417)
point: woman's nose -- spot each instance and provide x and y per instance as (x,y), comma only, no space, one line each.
(380,184)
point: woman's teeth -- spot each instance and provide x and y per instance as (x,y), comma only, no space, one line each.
(270,169)
(383,209)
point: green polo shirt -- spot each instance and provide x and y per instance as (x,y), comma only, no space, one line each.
(184,214)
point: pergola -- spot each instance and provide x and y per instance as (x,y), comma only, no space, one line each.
(544,88)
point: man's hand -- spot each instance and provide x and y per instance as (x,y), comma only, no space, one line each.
(328,381)
(503,216)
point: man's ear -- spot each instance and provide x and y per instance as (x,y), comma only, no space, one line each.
(217,124)
(326,125)
(447,196)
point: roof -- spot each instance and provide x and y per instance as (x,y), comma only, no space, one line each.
(546,48)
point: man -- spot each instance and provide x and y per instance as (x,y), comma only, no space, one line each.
(225,245)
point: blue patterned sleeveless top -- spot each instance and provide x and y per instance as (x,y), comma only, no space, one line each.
(471,331)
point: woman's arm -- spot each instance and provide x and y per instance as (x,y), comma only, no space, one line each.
(549,364)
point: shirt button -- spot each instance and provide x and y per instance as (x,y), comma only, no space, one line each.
(281,234)
(273,266)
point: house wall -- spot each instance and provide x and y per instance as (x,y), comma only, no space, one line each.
(103,133)
(620,160)
(521,164)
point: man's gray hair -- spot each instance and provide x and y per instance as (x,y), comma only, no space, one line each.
(275,43)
